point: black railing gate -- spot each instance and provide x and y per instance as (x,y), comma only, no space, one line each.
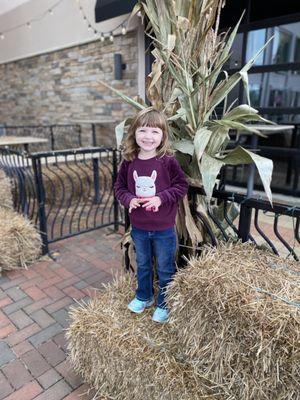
(69,192)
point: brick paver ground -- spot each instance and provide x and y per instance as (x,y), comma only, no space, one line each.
(34,306)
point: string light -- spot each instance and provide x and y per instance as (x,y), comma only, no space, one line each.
(102,35)
(92,29)
(29,23)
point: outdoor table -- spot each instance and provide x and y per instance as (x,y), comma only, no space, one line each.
(93,123)
(7,141)
(266,130)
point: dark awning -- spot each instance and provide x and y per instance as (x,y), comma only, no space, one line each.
(258,10)
(106,9)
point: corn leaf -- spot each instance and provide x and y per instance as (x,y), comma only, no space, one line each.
(184,146)
(119,130)
(201,140)
(222,92)
(127,99)
(211,166)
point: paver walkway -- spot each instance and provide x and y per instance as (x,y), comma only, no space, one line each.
(34,307)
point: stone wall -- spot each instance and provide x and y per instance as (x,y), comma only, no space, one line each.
(61,86)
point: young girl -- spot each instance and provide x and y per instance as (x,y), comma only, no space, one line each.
(150,183)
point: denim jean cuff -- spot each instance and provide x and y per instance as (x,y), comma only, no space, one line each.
(151,298)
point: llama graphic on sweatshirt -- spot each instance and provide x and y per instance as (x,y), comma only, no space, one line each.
(145,185)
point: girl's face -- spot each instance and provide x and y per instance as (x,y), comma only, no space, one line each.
(148,139)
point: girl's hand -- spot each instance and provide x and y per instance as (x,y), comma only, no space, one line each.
(152,203)
(134,203)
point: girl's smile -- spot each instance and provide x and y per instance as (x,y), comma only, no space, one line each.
(148,139)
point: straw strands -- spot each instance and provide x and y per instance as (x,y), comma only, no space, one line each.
(236,315)
(5,191)
(20,243)
(124,356)
(234,333)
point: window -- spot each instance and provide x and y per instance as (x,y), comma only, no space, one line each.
(297,50)
(284,48)
(255,41)
(281,48)
(274,89)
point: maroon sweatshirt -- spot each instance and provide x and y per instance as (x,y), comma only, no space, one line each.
(161,177)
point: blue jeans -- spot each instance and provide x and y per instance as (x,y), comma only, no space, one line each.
(162,245)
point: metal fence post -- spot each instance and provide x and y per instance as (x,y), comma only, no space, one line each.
(96,176)
(94,141)
(52,138)
(244,223)
(116,203)
(38,178)
(79,136)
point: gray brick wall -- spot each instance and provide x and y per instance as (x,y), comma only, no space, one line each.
(60,86)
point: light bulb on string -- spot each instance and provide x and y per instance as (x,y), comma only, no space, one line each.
(111,37)
(51,12)
(1,36)
(102,38)
(95,32)
(90,29)
(28,25)
(124,30)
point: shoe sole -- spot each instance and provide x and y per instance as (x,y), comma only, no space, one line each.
(159,321)
(140,312)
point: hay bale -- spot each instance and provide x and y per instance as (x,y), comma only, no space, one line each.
(225,340)
(236,315)
(20,243)
(126,356)
(5,191)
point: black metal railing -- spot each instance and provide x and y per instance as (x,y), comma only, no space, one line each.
(59,136)
(19,170)
(275,227)
(70,192)
(64,136)
(65,192)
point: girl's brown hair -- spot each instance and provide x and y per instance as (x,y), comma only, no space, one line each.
(146,117)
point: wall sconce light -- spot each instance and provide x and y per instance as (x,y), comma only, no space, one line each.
(118,66)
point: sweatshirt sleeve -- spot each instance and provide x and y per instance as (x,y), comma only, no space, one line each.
(179,184)
(122,193)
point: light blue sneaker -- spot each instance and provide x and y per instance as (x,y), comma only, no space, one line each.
(137,306)
(160,315)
